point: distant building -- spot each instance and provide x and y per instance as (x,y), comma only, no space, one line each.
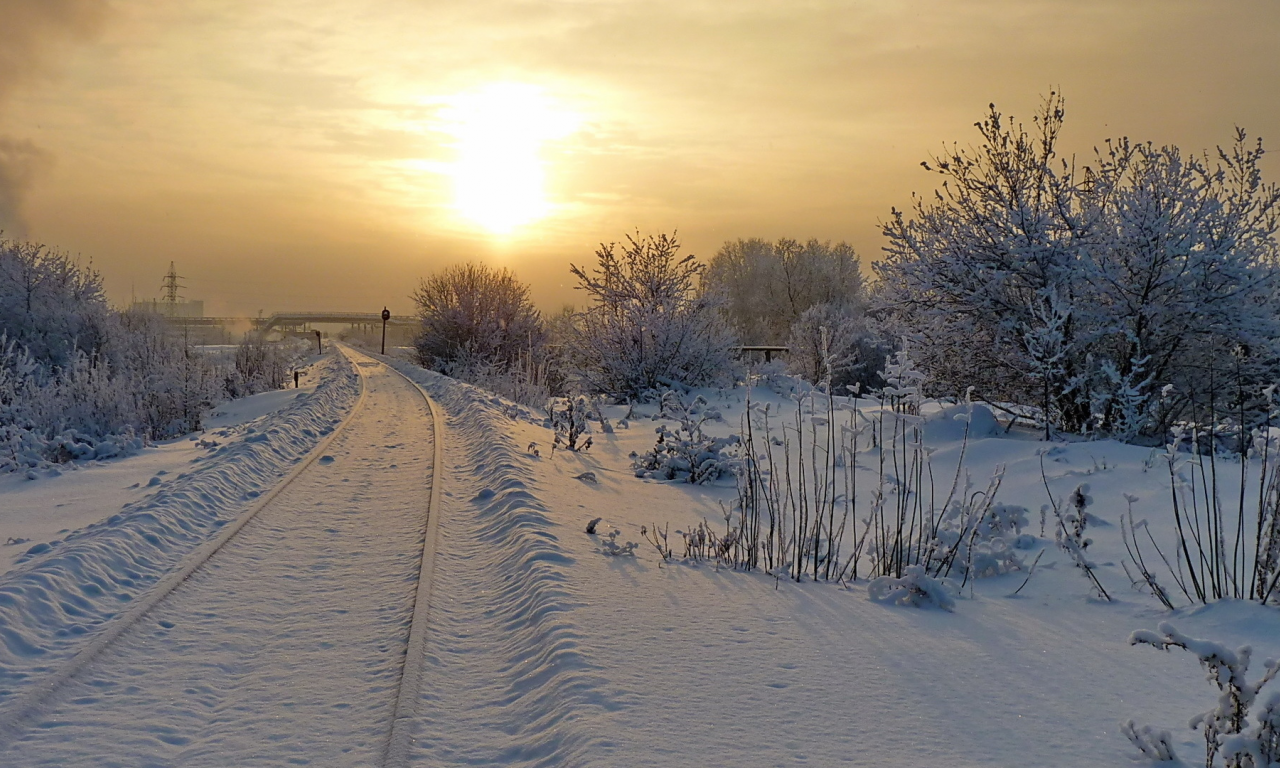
(171,308)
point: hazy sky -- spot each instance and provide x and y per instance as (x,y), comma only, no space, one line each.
(318,154)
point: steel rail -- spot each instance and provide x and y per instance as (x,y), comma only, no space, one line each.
(401,739)
(15,718)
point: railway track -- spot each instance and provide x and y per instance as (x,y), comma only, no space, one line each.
(305,615)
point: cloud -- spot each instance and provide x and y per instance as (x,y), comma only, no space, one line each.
(20,161)
(33,32)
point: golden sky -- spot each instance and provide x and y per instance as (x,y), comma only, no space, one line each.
(325,154)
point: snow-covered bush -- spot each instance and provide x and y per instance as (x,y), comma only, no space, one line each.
(50,306)
(686,452)
(79,380)
(915,587)
(1216,560)
(569,420)
(1073,520)
(528,381)
(976,538)
(832,345)
(475,316)
(259,365)
(1226,727)
(1153,744)
(1087,293)
(648,326)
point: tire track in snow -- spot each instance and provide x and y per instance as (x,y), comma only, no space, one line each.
(287,647)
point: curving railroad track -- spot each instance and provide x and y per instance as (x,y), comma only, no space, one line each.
(294,638)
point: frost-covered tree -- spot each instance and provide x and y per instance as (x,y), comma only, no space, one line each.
(796,294)
(984,267)
(475,316)
(769,286)
(1183,279)
(50,305)
(1087,291)
(76,377)
(829,344)
(648,324)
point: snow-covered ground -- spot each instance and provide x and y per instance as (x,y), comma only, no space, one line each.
(286,647)
(66,498)
(543,649)
(556,653)
(61,592)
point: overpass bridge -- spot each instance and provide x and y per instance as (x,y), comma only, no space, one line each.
(225,330)
(302,321)
(298,321)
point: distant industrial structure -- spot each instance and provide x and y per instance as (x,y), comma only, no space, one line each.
(188,316)
(171,303)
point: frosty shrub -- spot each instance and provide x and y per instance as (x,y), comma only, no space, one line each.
(1222,549)
(915,587)
(799,512)
(1115,296)
(1073,520)
(475,316)
(686,452)
(260,365)
(528,381)
(648,325)
(978,539)
(1227,729)
(569,420)
(50,306)
(81,381)
(832,345)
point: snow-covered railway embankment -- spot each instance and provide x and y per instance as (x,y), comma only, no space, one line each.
(55,602)
(507,681)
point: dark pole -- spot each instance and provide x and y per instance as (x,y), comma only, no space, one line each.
(386,315)
(319,348)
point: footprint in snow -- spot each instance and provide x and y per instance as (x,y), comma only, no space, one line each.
(326,459)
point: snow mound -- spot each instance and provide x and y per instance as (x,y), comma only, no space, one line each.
(915,588)
(519,684)
(65,591)
(948,424)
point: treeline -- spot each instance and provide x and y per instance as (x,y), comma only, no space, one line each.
(79,379)
(654,319)
(1114,298)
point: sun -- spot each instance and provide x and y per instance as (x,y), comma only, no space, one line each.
(499,178)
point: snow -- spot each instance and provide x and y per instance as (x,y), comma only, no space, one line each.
(60,591)
(77,494)
(286,647)
(547,645)
(570,655)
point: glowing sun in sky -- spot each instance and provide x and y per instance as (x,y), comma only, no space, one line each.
(499,179)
